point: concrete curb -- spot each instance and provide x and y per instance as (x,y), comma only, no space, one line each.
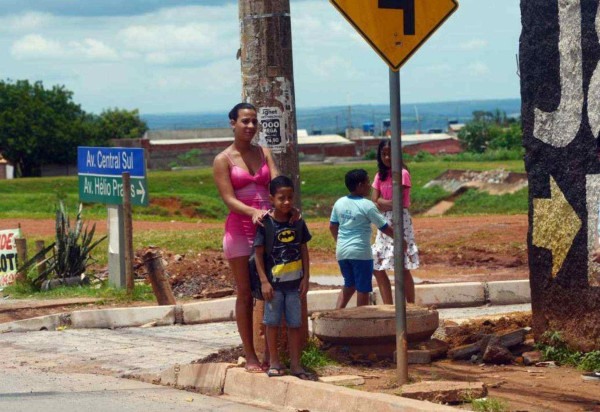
(290,393)
(281,393)
(442,295)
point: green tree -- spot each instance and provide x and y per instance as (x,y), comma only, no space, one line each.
(37,125)
(120,124)
(41,126)
(490,131)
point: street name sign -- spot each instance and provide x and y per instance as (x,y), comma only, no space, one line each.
(100,172)
(396,28)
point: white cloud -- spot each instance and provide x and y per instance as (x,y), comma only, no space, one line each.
(182,35)
(474,44)
(478,69)
(26,22)
(93,49)
(36,47)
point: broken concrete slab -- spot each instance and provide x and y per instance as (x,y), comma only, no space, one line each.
(437,348)
(444,391)
(512,338)
(464,351)
(531,358)
(418,357)
(47,322)
(497,354)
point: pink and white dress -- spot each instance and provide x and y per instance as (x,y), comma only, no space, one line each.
(383,248)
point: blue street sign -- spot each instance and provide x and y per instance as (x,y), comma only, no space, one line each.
(100,172)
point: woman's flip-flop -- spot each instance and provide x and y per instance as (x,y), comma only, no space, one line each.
(254,369)
(274,372)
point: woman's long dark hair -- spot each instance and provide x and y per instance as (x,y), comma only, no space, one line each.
(383,170)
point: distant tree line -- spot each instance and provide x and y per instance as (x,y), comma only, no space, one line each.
(491,131)
(41,126)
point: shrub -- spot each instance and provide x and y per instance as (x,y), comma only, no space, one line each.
(71,252)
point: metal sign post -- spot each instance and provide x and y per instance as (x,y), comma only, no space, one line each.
(101,171)
(396,29)
(398,226)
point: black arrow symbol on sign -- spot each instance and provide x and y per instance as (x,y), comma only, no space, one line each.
(408,6)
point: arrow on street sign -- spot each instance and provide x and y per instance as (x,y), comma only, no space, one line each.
(141,191)
(396,28)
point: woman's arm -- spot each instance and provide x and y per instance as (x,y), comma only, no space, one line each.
(222,178)
(382,204)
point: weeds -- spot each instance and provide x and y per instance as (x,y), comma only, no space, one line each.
(141,292)
(313,357)
(556,349)
(489,405)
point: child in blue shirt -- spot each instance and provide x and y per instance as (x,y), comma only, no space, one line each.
(350,225)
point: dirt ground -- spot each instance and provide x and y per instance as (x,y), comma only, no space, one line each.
(452,249)
(521,388)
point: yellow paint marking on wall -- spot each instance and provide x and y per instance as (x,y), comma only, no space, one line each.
(555,225)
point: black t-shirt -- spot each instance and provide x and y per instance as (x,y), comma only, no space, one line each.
(285,262)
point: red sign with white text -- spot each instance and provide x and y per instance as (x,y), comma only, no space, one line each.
(8,256)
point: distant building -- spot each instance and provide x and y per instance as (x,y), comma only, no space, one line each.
(454,127)
(7,171)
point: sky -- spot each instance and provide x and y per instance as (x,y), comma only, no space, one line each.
(179,56)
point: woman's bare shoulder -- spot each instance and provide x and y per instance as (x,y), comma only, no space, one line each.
(223,156)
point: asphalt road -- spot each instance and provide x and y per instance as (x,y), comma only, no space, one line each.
(27,390)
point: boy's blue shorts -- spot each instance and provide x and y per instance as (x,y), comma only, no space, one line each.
(357,274)
(284,302)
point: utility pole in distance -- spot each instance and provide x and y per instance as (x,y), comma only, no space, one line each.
(268,83)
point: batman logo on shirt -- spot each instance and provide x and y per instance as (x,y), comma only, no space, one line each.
(286,236)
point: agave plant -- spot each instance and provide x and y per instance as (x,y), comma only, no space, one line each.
(71,252)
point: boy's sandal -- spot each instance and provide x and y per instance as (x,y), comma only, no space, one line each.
(305,376)
(274,372)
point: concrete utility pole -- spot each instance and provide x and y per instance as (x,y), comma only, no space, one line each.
(268,83)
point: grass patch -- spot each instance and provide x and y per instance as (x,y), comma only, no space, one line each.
(490,405)
(554,348)
(321,186)
(475,202)
(313,357)
(141,292)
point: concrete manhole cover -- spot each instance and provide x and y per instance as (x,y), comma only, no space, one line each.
(373,324)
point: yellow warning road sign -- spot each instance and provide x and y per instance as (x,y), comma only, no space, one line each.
(396,28)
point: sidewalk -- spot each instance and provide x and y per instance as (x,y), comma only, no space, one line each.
(150,353)
(106,341)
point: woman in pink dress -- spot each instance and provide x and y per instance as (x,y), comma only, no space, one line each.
(242,173)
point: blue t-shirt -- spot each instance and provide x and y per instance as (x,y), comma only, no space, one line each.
(354,215)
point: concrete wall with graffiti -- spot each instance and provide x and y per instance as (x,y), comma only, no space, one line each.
(560,89)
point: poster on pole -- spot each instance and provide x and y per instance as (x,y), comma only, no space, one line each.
(8,256)
(272,129)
